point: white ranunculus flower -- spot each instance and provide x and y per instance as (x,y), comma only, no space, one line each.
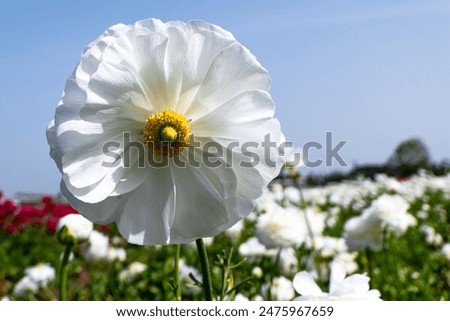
(392,211)
(258,297)
(353,287)
(266,203)
(386,212)
(41,273)
(277,191)
(282,227)
(208,241)
(35,277)
(329,246)
(292,194)
(132,271)
(315,219)
(241,297)
(364,231)
(97,247)
(144,109)
(25,285)
(253,248)
(257,272)
(78,226)
(288,261)
(235,231)
(347,260)
(431,236)
(281,289)
(445,250)
(116,253)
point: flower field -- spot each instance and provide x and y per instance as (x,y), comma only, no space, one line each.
(364,239)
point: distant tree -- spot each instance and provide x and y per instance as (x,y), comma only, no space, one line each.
(368,170)
(441,168)
(408,157)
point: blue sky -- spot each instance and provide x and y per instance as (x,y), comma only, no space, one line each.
(372,72)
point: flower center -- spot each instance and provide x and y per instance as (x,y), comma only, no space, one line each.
(167,133)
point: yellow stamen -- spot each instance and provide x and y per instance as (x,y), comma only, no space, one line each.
(167,133)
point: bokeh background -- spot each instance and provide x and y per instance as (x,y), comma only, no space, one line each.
(372,73)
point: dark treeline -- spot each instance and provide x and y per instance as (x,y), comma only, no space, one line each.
(408,158)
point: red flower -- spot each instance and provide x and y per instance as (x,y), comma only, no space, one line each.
(47,199)
(14,218)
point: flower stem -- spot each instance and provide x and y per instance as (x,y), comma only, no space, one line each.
(177,273)
(50,295)
(303,207)
(368,262)
(206,273)
(63,273)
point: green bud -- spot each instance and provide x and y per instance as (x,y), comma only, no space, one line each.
(66,237)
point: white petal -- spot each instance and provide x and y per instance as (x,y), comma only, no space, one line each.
(147,211)
(81,129)
(189,52)
(250,183)
(250,155)
(234,70)
(55,150)
(103,212)
(142,54)
(157,25)
(84,149)
(246,120)
(356,284)
(322,297)
(204,27)
(373,295)
(91,175)
(94,193)
(74,95)
(115,90)
(237,117)
(77,224)
(337,275)
(133,174)
(205,202)
(73,99)
(305,285)
(152,24)
(82,165)
(174,64)
(204,43)
(93,54)
(111,32)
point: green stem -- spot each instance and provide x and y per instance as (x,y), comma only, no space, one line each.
(368,263)
(49,293)
(225,265)
(63,273)
(206,273)
(303,207)
(387,253)
(224,282)
(177,273)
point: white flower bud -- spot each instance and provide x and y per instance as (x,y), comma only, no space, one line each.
(77,229)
